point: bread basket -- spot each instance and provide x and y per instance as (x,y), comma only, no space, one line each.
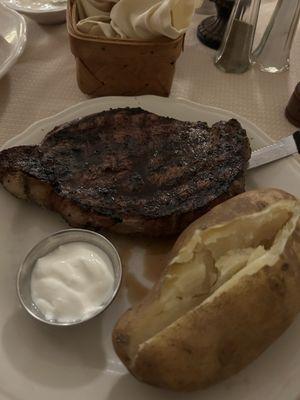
(108,67)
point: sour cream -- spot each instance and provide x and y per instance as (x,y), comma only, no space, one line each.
(72,282)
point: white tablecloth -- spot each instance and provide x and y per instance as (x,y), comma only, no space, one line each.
(43,82)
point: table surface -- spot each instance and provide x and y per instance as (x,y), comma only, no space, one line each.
(43,82)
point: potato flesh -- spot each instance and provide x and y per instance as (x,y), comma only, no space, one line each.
(228,252)
(269,257)
(210,261)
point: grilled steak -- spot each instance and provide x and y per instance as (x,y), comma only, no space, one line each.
(130,170)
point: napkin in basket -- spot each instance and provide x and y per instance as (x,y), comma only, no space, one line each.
(136,19)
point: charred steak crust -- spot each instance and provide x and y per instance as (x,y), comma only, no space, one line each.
(130,170)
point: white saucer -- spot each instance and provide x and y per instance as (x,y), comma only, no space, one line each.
(44,12)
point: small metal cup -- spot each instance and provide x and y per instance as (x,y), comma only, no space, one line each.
(49,244)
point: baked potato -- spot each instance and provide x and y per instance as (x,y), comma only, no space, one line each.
(231,287)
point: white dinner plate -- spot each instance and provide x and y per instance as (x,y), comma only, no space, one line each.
(40,362)
(12,38)
(42,11)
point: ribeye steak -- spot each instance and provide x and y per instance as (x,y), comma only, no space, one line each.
(130,170)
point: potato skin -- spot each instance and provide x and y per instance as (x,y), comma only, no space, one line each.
(217,339)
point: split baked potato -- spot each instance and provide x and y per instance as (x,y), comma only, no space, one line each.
(232,286)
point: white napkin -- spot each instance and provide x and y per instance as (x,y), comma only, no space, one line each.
(136,19)
(94,17)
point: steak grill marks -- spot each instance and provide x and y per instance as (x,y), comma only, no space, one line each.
(133,164)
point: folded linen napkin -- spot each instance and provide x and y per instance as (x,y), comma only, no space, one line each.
(136,19)
(94,17)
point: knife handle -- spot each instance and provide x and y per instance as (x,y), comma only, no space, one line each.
(296,137)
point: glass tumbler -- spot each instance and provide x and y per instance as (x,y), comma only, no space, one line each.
(273,52)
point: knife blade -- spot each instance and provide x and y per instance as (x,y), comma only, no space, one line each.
(283,148)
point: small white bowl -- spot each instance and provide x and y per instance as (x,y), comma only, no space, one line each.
(49,244)
(46,13)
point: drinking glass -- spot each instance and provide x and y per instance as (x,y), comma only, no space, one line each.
(273,52)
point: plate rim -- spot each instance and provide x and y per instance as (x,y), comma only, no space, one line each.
(27,10)
(293,161)
(21,43)
(173,99)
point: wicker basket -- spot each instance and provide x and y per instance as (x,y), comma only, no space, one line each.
(107,67)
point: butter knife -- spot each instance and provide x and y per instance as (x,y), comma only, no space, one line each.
(283,148)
